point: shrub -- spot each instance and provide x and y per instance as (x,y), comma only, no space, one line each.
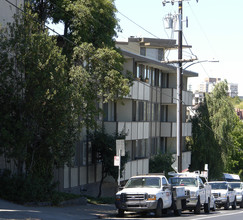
(161,163)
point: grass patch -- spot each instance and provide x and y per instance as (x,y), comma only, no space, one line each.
(103,200)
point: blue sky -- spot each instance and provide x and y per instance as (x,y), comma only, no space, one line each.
(215,32)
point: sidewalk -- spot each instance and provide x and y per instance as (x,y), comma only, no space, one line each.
(10,210)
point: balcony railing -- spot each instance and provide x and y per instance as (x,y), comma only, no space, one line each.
(146,92)
(144,130)
(168,129)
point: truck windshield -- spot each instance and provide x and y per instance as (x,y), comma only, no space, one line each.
(235,185)
(146,182)
(180,181)
(218,185)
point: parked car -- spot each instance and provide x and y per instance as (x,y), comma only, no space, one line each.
(200,193)
(150,193)
(238,187)
(224,195)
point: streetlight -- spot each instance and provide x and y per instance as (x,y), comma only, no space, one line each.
(179,110)
(202,61)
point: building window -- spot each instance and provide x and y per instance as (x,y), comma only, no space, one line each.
(156,77)
(153,150)
(155,112)
(164,80)
(134,110)
(160,54)
(148,111)
(141,111)
(163,113)
(163,146)
(143,51)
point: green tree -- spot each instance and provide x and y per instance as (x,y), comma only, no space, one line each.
(205,148)
(91,21)
(104,147)
(212,128)
(222,117)
(161,163)
(235,156)
(37,119)
(97,77)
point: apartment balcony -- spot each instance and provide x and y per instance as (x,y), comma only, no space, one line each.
(168,129)
(135,167)
(169,96)
(139,90)
(134,130)
(143,130)
(144,91)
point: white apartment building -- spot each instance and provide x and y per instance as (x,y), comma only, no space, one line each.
(147,114)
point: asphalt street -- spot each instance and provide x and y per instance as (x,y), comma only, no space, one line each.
(11,211)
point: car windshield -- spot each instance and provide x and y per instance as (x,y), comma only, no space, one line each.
(235,185)
(218,185)
(180,181)
(146,182)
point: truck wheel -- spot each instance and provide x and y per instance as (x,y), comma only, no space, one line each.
(241,203)
(120,213)
(227,204)
(158,211)
(207,207)
(198,207)
(177,212)
(214,207)
(234,204)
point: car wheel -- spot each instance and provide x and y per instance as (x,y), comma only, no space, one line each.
(214,207)
(177,212)
(198,207)
(158,211)
(120,213)
(234,204)
(241,203)
(227,204)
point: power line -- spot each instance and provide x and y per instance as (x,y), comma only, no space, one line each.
(102,60)
(137,24)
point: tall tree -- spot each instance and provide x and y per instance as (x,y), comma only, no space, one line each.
(104,147)
(212,129)
(205,148)
(222,116)
(37,119)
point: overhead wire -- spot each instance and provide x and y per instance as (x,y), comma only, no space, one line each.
(99,59)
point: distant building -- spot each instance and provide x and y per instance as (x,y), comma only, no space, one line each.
(233,89)
(207,87)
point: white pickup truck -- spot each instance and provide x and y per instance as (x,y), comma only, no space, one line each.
(150,193)
(238,188)
(224,195)
(200,193)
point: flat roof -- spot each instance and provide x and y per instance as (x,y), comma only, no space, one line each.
(155,63)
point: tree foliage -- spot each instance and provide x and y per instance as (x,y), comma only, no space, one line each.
(104,147)
(161,163)
(37,121)
(48,92)
(214,129)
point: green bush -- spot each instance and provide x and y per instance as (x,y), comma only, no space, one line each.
(161,163)
(22,189)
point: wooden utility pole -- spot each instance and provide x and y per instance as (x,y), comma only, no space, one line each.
(179,90)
